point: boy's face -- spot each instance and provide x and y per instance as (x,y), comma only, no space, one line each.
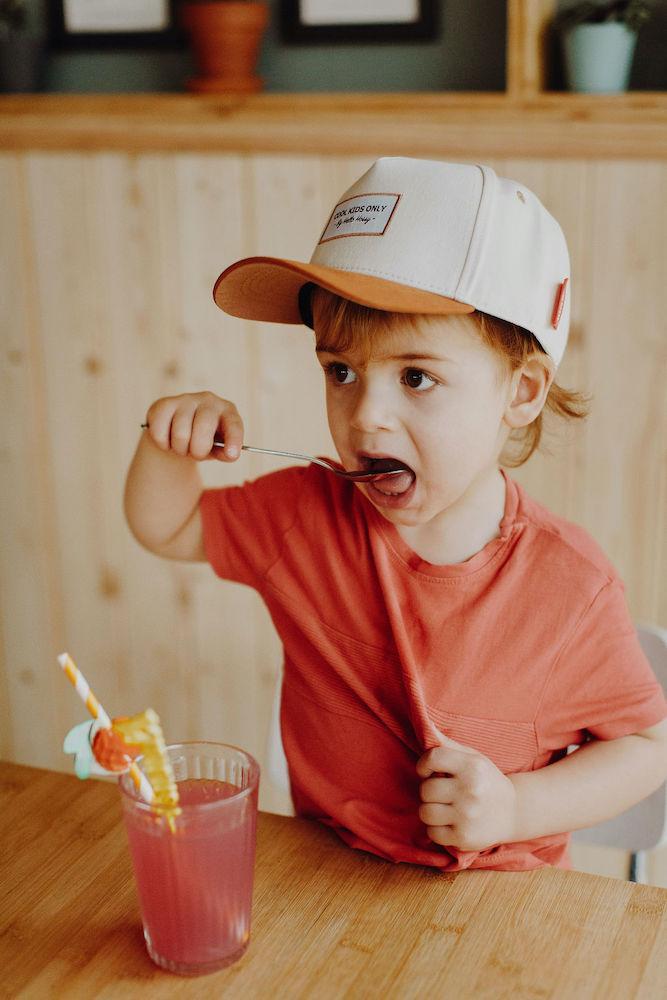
(431,396)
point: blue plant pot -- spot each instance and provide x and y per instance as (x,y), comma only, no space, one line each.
(598,57)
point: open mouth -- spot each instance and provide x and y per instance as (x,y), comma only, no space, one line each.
(393,485)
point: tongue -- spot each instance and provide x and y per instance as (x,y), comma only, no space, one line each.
(395,484)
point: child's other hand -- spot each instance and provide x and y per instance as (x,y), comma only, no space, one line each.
(467,802)
(188,425)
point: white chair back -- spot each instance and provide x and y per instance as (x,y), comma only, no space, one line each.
(276,762)
(644,826)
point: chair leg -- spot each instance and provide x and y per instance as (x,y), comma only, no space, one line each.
(637,868)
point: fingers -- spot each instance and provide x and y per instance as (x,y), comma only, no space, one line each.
(181,427)
(441,759)
(231,432)
(449,802)
(204,426)
(188,425)
(438,797)
(438,790)
(437,814)
(158,423)
(445,836)
(465,799)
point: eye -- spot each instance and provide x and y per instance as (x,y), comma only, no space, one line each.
(340,374)
(419,380)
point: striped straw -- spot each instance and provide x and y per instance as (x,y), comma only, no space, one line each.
(82,688)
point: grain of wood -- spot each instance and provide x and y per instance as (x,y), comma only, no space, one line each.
(327,920)
(627,369)
(30,609)
(526,50)
(470,126)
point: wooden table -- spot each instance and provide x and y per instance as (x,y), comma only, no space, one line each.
(327,921)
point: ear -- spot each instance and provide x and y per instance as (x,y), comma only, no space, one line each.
(529,388)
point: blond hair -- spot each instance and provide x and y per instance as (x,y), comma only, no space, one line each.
(340,323)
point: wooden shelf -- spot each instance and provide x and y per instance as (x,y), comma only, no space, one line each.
(627,126)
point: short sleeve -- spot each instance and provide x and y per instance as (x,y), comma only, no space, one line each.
(244,526)
(602,684)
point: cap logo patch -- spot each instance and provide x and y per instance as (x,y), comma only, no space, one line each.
(363,215)
(559,303)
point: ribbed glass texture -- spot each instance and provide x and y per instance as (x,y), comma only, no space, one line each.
(195,882)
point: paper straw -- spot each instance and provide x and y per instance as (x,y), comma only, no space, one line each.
(82,688)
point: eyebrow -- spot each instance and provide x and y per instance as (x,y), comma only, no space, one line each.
(326,349)
(417,357)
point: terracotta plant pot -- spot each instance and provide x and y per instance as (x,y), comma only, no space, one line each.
(225,36)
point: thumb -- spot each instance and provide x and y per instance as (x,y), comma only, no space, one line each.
(439,757)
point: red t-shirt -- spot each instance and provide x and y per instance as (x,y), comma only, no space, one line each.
(521,650)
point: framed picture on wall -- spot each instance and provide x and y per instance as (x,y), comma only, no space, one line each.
(90,24)
(312,21)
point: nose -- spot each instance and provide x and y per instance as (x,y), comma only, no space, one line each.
(372,411)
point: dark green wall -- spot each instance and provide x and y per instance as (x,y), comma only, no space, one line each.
(469,54)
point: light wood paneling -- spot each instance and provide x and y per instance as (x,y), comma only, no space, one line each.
(107,264)
(31,605)
(627,277)
(609,474)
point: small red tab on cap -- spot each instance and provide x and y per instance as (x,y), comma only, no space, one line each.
(559,303)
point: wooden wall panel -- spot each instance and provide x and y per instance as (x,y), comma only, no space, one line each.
(30,604)
(608,474)
(107,264)
(626,503)
(553,474)
(214,223)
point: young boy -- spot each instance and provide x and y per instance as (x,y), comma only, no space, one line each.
(446,638)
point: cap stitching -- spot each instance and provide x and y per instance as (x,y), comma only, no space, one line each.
(474,227)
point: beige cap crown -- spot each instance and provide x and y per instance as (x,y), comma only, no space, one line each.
(424,236)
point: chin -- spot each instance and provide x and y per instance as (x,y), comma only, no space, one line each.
(401,518)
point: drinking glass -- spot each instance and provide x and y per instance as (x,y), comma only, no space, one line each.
(194,881)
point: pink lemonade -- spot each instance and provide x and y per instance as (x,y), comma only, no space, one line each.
(195,883)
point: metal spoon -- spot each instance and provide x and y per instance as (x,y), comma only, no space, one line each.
(359,475)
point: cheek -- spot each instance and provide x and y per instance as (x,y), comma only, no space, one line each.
(482,428)
(336,418)
(463,435)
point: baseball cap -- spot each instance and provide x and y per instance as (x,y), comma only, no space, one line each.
(423,236)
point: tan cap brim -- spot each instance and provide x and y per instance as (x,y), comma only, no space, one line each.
(267,289)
